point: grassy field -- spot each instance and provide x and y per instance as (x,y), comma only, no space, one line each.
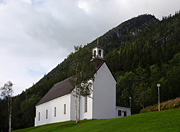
(164,121)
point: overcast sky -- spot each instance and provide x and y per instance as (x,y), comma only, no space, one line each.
(36,35)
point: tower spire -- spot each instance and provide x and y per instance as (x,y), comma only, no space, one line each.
(97,41)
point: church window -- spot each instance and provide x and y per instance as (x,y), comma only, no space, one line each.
(46,114)
(39,116)
(64,108)
(125,114)
(119,112)
(99,52)
(85,104)
(54,111)
(94,53)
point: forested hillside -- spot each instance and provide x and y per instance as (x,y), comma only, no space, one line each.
(140,52)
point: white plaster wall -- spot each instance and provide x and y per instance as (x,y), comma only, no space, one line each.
(104,94)
(83,115)
(72,112)
(88,114)
(60,116)
(128,111)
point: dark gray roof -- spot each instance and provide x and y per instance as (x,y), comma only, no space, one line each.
(97,62)
(98,46)
(60,89)
(65,87)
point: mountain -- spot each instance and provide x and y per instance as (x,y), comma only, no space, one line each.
(140,52)
(112,39)
(126,31)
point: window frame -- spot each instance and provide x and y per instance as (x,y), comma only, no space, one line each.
(54,111)
(64,109)
(46,114)
(99,53)
(39,116)
(119,113)
(125,113)
(85,104)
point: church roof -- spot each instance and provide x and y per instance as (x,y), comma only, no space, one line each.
(65,87)
(98,46)
(60,89)
(97,62)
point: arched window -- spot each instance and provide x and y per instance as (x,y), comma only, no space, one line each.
(99,53)
(94,55)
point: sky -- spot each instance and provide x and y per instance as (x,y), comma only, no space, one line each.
(37,35)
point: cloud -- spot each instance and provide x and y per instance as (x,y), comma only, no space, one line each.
(36,35)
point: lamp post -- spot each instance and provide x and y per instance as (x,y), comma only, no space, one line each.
(158,85)
(130,103)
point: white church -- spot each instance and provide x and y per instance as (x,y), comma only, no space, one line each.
(58,105)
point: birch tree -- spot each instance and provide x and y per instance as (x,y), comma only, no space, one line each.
(7,93)
(82,72)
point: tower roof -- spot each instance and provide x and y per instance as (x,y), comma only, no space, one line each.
(98,46)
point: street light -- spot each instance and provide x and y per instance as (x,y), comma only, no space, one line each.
(130,102)
(158,85)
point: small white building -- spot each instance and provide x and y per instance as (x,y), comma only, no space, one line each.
(58,105)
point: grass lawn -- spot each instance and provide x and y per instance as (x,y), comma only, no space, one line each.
(164,121)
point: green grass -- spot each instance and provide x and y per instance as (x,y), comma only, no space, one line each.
(164,121)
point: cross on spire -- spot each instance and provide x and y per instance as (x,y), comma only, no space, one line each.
(97,41)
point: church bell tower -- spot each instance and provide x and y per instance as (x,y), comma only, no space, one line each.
(97,51)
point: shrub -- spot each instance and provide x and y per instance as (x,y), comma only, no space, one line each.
(170,104)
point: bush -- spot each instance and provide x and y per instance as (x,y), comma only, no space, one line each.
(170,104)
